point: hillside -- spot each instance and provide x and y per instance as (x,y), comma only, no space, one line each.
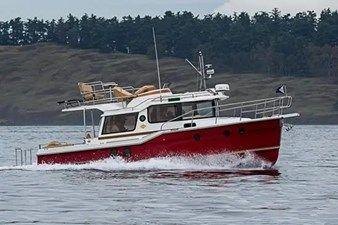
(33,78)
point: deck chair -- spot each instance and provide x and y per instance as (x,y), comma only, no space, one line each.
(145,88)
(156,91)
(88,93)
(122,94)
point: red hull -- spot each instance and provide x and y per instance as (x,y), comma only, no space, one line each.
(261,138)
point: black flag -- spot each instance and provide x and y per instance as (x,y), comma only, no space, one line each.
(281,89)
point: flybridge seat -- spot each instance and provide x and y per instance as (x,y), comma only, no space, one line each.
(124,95)
(121,94)
(145,88)
(92,91)
(110,92)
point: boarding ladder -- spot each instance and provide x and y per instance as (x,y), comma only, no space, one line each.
(23,156)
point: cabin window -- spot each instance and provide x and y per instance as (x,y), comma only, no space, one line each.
(197,109)
(119,123)
(163,113)
(187,110)
(205,109)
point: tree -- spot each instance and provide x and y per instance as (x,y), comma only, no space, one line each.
(35,31)
(4,33)
(267,42)
(328,28)
(16,31)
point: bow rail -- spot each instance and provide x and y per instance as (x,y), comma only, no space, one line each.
(261,108)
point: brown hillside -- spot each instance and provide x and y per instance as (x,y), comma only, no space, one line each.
(33,78)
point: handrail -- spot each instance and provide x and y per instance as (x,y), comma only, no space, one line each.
(110,98)
(242,106)
(106,96)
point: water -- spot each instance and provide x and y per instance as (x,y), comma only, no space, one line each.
(301,189)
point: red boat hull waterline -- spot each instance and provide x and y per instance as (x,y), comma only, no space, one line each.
(260,138)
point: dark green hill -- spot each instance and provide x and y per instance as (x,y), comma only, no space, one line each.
(33,78)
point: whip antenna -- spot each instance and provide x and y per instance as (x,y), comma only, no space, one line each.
(157,62)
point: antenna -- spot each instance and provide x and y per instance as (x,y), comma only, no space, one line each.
(157,62)
(204,71)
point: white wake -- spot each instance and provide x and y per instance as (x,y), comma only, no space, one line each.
(197,163)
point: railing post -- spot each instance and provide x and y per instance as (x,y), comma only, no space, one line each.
(217,113)
(30,157)
(21,157)
(240,118)
(93,124)
(25,154)
(256,111)
(110,94)
(16,156)
(84,122)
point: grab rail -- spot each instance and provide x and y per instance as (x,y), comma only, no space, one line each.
(107,96)
(261,108)
(99,92)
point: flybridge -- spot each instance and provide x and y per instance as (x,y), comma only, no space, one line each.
(109,96)
(100,93)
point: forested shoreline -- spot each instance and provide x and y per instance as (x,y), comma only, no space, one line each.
(268,42)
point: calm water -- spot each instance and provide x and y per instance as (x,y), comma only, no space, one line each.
(301,189)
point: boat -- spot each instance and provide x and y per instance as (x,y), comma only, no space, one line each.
(149,122)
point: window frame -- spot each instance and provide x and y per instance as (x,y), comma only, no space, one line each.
(203,117)
(149,117)
(134,128)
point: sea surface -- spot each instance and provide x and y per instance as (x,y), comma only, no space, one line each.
(302,188)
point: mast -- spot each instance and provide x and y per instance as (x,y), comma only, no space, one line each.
(204,72)
(203,84)
(157,62)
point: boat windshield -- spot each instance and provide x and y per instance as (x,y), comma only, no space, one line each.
(119,123)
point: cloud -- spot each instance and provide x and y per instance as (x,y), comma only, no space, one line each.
(286,6)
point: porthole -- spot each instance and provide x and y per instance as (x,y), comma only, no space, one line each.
(127,152)
(142,118)
(241,130)
(197,137)
(227,133)
(113,152)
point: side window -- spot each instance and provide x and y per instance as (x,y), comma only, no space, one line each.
(119,123)
(197,109)
(163,113)
(205,109)
(187,110)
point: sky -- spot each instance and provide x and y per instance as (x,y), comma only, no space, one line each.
(53,9)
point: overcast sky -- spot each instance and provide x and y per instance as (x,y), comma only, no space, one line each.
(49,9)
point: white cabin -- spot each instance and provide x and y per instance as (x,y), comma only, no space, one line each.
(127,112)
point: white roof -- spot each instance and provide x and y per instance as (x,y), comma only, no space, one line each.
(140,103)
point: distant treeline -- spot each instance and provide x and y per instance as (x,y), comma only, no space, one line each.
(304,44)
